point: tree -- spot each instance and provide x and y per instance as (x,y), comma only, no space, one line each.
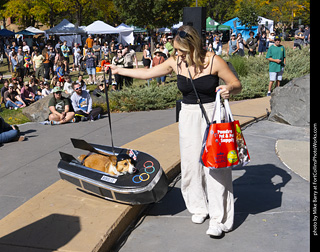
(288,11)
(20,10)
(248,13)
(219,10)
(150,13)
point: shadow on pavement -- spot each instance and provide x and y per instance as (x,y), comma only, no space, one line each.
(255,192)
(49,233)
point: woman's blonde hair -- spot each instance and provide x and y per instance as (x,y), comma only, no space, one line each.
(189,41)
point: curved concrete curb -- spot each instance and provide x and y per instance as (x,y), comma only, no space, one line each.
(295,155)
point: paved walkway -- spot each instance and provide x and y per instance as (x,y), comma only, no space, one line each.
(271,204)
(272,200)
(27,168)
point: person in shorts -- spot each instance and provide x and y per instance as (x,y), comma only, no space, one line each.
(277,61)
(91,66)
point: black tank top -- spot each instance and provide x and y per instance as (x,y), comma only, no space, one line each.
(205,86)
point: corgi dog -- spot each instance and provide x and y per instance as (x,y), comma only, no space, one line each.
(111,164)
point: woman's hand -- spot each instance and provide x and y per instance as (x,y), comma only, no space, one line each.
(224,91)
(114,69)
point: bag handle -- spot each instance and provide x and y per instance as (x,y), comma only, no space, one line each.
(228,111)
(217,109)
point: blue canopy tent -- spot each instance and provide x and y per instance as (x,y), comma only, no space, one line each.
(241,28)
(26,33)
(6,33)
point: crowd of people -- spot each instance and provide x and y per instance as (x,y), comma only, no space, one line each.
(263,40)
(46,66)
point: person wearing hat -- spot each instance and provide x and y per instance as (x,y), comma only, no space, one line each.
(233,45)
(252,44)
(59,108)
(299,37)
(169,45)
(157,60)
(11,98)
(277,61)
(271,39)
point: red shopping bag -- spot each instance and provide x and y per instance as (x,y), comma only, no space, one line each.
(223,143)
(220,148)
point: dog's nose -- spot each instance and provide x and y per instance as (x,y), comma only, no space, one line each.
(134,170)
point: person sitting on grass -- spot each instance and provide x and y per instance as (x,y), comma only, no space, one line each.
(59,108)
(9,133)
(67,87)
(46,90)
(82,104)
(28,95)
(12,99)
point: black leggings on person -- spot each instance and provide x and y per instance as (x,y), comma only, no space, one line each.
(92,115)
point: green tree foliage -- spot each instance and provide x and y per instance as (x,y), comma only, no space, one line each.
(248,13)
(219,10)
(150,13)
(51,12)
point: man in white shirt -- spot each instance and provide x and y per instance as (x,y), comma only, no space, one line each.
(76,56)
(25,47)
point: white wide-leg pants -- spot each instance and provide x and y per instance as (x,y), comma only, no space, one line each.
(204,191)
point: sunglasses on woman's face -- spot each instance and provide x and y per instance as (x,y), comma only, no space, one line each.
(183,34)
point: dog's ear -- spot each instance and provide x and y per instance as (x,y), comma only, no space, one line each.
(113,160)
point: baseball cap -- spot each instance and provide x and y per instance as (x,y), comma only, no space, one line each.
(56,89)
(277,38)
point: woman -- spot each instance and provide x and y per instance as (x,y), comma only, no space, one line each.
(118,61)
(233,45)
(157,60)
(206,192)
(46,63)
(59,108)
(146,59)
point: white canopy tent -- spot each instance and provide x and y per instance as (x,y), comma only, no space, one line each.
(35,30)
(65,27)
(67,31)
(167,30)
(125,34)
(100,27)
(264,21)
